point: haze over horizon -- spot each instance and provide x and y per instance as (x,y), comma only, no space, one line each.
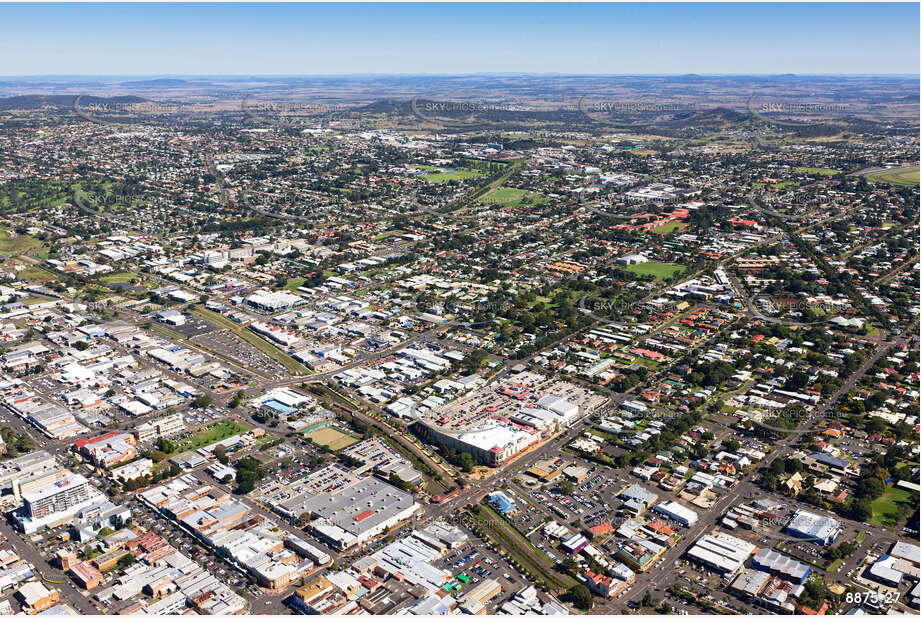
(457,39)
(189,76)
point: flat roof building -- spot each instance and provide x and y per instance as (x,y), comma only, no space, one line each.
(358,512)
(814,527)
(674,511)
(721,552)
(780,565)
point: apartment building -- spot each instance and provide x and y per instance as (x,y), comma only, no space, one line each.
(163,427)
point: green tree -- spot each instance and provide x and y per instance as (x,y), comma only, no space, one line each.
(249,472)
(570,566)
(466,462)
(581,597)
(860,509)
(165,445)
(202,401)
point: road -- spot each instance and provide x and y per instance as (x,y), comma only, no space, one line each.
(29,553)
(659,575)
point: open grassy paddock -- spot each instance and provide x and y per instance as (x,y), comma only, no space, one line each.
(294,283)
(885,508)
(30,272)
(220,430)
(783,184)
(659,270)
(11,242)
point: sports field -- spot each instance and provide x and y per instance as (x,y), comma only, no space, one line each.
(506,195)
(452,174)
(667,229)
(118,277)
(659,270)
(897,176)
(332,437)
(822,171)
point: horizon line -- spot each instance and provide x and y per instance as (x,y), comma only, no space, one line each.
(475,73)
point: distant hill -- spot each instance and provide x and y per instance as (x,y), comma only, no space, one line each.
(61,101)
(715,116)
(163,81)
(386,107)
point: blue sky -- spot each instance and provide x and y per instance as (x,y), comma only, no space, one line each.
(310,39)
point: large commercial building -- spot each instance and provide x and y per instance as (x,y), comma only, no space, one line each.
(565,411)
(814,527)
(766,590)
(639,554)
(637,499)
(780,565)
(359,512)
(721,552)
(676,512)
(35,597)
(134,470)
(501,420)
(270,302)
(56,422)
(492,442)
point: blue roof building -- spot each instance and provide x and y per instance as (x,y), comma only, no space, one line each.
(503,503)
